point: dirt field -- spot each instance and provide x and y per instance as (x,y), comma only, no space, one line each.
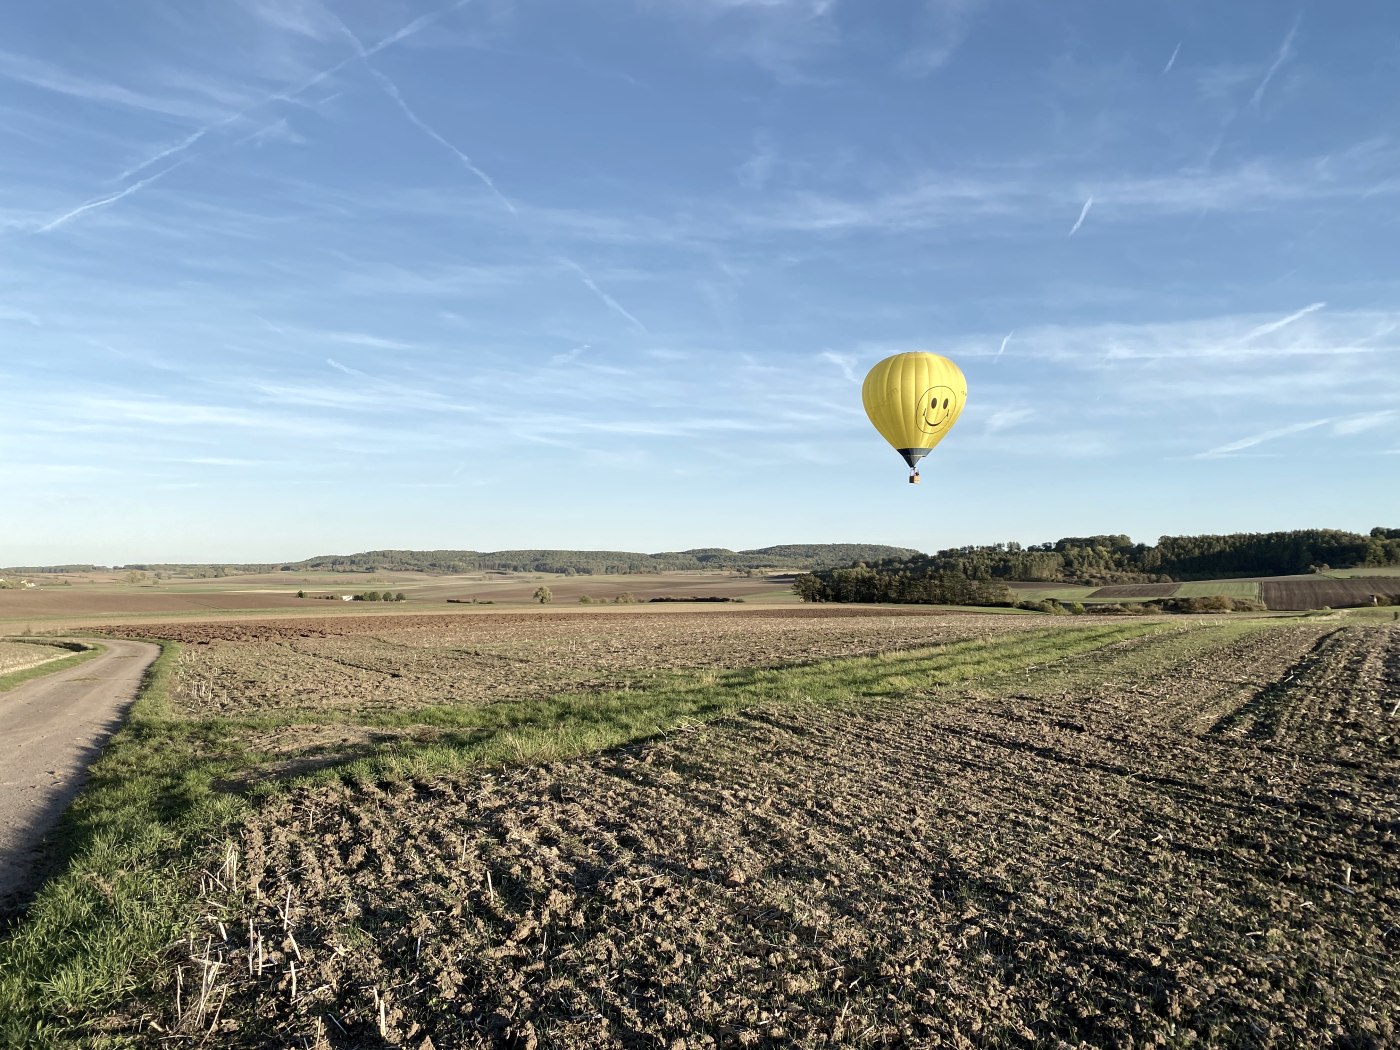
(20,656)
(95,595)
(1320,592)
(1181,839)
(367,664)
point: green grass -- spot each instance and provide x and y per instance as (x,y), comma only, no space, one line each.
(14,678)
(1228,588)
(1384,612)
(158,796)
(1351,574)
(1059,591)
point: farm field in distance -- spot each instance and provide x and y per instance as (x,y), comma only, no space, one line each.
(1281,593)
(97,597)
(823,825)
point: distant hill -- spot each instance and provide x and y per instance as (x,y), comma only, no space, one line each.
(808,557)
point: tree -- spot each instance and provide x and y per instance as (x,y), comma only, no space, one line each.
(543,595)
(400,596)
(301,594)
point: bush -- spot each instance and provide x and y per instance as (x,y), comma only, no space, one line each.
(543,595)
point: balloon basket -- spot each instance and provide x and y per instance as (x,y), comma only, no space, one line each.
(914,478)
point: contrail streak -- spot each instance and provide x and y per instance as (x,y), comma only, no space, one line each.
(1172,61)
(104,201)
(392,90)
(1284,53)
(1080,221)
(1260,438)
(179,147)
(608,301)
(290,95)
(1274,326)
(1006,339)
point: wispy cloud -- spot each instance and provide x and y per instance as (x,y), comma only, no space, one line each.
(1006,418)
(1002,349)
(10,314)
(1283,322)
(570,356)
(945,27)
(366,339)
(346,369)
(1171,61)
(1260,438)
(103,202)
(755,172)
(36,73)
(170,413)
(607,300)
(845,362)
(1083,214)
(392,90)
(1359,424)
(1285,52)
(297,21)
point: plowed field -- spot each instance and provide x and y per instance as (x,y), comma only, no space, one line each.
(1320,592)
(1182,838)
(365,664)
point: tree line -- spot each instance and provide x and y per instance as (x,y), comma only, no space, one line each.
(977,575)
(811,556)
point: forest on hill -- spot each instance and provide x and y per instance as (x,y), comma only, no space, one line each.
(977,575)
(806,556)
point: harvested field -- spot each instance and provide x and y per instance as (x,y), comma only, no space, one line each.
(379,664)
(20,656)
(1320,592)
(52,602)
(1183,837)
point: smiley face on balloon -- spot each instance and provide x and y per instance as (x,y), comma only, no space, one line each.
(913,399)
(938,407)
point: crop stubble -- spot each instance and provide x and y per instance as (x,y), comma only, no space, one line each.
(1182,837)
(383,664)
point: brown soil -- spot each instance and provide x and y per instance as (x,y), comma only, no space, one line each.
(363,664)
(1321,593)
(1160,844)
(77,601)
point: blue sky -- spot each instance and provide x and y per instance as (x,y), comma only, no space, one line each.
(287,277)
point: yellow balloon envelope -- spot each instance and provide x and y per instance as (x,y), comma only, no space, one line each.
(914,400)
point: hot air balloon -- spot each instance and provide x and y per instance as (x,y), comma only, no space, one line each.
(914,399)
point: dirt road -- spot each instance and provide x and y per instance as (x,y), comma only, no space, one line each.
(50,730)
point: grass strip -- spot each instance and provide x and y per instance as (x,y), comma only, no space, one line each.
(154,800)
(14,678)
(148,800)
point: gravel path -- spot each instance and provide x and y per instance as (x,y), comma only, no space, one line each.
(51,728)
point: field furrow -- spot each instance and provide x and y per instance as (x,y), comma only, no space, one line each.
(1126,846)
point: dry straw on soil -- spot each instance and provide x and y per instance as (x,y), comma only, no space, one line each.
(1184,838)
